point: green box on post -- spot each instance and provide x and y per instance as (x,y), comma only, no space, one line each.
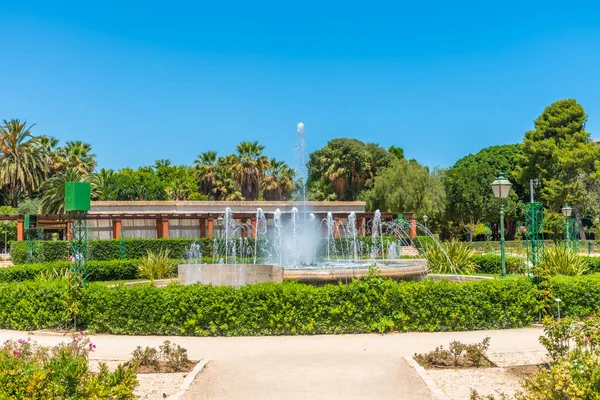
(77,196)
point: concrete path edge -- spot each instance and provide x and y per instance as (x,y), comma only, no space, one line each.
(433,387)
(185,385)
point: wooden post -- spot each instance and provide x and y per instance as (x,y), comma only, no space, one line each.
(253,228)
(202,227)
(68,229)
(413,227)
(165,228)
(158,228)
(211,224)
(360,229)
(20,229)
(116,229)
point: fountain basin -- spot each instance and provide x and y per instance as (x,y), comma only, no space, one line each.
(228,274)
(410,269)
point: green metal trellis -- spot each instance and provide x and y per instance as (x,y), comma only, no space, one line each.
(534,223)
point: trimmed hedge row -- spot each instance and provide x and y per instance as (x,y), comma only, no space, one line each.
(492,264)
(139,247)
(580,296)
(109,249)
(593,264)
(97,270)
(369,305)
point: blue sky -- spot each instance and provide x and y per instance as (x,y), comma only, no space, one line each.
(142,81)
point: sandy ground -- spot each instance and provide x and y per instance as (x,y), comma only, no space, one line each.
(458,383)
(307,367)
(151,386)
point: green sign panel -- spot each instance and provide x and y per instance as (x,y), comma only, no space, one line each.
(77,196)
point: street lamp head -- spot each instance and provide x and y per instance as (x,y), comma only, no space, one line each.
(425,218)
(5,222)
(501,186)
(566,210)
(220,220)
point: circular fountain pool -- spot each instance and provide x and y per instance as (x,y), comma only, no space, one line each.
(410,269)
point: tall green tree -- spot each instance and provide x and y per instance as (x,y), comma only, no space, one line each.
(343,168)
(279,181)
(53,198)
(179,180)
(77,155)
(560,153)
(206,172)
(469,197)
(22,166)
(407,186)
(397,151)
(248,167)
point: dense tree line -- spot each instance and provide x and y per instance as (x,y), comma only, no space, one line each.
(558,152)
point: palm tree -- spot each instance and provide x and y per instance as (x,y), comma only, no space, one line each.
(22,166)
(225,186)
(278,181)
(206,171)
(53,199)
(77,155)
(248,168)
(47,146)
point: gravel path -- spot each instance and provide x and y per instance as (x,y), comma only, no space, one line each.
(457,383)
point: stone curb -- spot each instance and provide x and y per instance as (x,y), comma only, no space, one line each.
(55,333)
(189,379)
(435,390)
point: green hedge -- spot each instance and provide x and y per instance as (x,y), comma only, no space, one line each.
(137,248)
(109,249)
(593,264)
(580,296)
(370,305)
(492,264)
(97,270)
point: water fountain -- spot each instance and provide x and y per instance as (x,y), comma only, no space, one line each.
(303,248)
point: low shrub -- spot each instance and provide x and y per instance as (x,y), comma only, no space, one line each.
(157,265)
(97,270)
(492,264)
(593,264)
(580,296)
(451,257)
(31,371)
(458,355)
(169,358)
(562,260)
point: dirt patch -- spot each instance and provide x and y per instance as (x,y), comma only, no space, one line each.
(163,367)
(523,371)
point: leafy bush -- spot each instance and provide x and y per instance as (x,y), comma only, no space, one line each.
(458,355)
(30,371)
(369,305)
(451,257)
(580,295)
(157,265)
(562,260)
(170,358)
(97,270)
(109,249)
(492,264)
(593,264)
(138,248)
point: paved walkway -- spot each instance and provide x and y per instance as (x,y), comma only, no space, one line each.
(307,367)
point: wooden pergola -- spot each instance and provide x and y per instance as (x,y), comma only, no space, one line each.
(206,221)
